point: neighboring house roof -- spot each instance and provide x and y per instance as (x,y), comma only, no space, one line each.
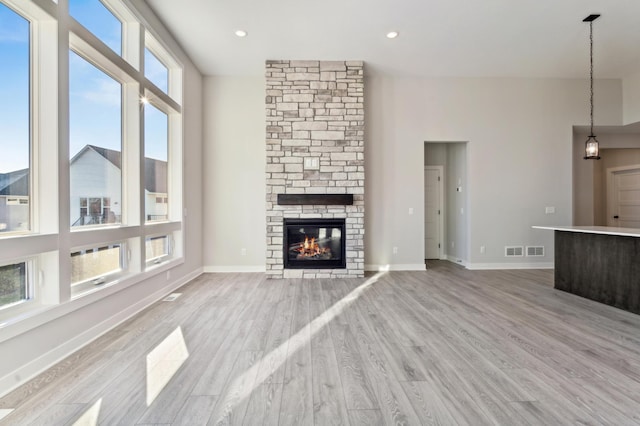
(155,171)
(15,183)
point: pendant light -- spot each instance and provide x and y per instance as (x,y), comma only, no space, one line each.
(591,146)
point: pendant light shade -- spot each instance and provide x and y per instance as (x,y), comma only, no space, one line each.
(591,146)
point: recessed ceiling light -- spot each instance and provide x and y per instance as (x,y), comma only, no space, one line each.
(392,34)
(241,33)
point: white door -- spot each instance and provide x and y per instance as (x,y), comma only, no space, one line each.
(623,209)
(433,213)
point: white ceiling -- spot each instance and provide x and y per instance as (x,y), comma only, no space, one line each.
(470,38)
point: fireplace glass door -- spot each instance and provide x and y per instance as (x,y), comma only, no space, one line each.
(314,243)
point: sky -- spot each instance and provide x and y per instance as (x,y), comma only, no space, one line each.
(14,86)
(95,98)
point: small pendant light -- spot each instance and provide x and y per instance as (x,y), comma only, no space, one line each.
(591,146)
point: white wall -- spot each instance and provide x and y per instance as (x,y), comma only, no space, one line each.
(519,157)
(457,240)
(35,349)
(234,176)
(631,98)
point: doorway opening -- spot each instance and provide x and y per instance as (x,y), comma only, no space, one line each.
(445,201)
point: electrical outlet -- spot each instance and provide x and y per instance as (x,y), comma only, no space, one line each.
(482,249)
(410,210)
(395,250)
(243,251)
(549,210)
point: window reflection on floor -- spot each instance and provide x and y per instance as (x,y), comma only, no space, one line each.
(164,361)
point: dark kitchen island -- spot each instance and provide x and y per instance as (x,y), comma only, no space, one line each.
(600,263)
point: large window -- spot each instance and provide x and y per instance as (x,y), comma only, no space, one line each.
(95,145)
(156,149)
(15,140)
(95,16)
(121,158)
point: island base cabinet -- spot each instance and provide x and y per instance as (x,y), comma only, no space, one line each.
(604,268)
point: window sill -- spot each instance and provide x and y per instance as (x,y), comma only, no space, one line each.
(41,314)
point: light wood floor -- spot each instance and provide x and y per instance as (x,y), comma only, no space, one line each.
(446,346)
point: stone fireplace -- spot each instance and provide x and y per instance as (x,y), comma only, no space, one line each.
(315,169)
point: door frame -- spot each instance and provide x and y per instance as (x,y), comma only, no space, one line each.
(441,252)
(610,186)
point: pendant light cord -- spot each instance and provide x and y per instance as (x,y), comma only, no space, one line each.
(591,71)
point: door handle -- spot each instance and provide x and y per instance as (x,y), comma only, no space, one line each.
(616,217)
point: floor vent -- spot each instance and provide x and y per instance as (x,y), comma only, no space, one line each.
(172,297)
(513,251)
(535,251)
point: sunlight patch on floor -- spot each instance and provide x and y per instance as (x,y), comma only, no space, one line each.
(164,361)
(270,363)
(90,417)
(4,412)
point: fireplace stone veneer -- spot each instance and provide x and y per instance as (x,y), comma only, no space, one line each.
(315,145)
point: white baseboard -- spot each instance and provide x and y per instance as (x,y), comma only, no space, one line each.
(396,267)
(235,268)
(532,265)
(47,360)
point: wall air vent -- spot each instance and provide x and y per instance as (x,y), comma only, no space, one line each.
(535,251)
(172,297)
(513,251)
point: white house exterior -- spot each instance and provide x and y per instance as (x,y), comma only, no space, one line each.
(96,187)
(14,201)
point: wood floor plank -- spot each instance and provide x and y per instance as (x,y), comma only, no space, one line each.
(233,401)
(329,404)
(264,405)
(195,411)
(365,418)
(297,393)
(273,364)
(358,389)
(428,404)
(58,414)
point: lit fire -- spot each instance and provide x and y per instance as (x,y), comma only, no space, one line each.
(310,248)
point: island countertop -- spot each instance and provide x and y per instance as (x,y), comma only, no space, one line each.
(603,230)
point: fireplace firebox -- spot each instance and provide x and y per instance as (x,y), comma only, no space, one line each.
(314,244)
